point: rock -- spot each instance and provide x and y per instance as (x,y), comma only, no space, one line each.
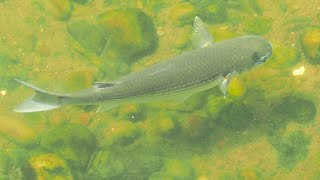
(234,116)
(292,148)
(59,9)
(283,57)
(73,142)
(131,33)
(132,112)
(164,123)
(258,25)
(88,35)
(195,127)
(175,169)
(121,133)
(121,165)
(17,131)
(78,80)
(82,2)
(50,166)
(236,87)
(182,14)
(294,108)
(7,72)
(249,174)
(310,41)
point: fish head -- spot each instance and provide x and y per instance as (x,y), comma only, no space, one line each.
(254,51)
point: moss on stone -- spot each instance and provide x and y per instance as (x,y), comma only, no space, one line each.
(292,148)
(59,9)
(50,166)
(311,45)
(73,142)
(258,25)
(283,57)
(88,35)
(131,34)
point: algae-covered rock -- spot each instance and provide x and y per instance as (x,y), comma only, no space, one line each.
(236,87)
(17,131)
(59,9)
(83,2)
(258,25)
(211,11)
(182,14)
(132,112)
(283,57)
(292,148)
(88,35)
(7,72)
(73,142)
(78,80)
(131,34)
(294,108)
(310,41)
(175,169)
(122,133)
(234,116)
(135,165)
(50,166)
(164,123)
(195,127)
(246,174)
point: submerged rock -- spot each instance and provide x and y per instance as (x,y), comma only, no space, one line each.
(133,165)
(7,72)
(258,25)
(59,9)
(88,35)
(183,14)
(174,169)
(292,148)
(234,116)
(132,112)
(310,41)
(73,142)
(83,2)
(50,166)
(131,34)
(195,127)
(294,108)
(283,57)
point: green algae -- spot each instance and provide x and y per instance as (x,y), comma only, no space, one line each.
(132,112)
(283,57)
(292,148)
(73,142)
(88,35)
(258,25)
(50,166)
(310,42)
(234,116)
(7,71)
(82,2)
(195,127)
(128,45)
(294,109)
(59,9)
(183,14)
(175,169)
(135,165)
(211,11)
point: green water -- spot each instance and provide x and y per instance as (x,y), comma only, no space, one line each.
(268,127)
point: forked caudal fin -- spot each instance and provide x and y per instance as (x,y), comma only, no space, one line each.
(40,101)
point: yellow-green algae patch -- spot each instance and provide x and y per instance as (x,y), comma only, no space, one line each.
(16,130)
(59,9)
(310,41)
(50,166)
(283,57)
(131,34)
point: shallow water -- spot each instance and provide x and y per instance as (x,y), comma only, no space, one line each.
(268,127)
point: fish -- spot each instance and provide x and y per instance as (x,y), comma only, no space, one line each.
(208,65)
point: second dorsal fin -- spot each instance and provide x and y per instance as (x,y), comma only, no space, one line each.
(200,35)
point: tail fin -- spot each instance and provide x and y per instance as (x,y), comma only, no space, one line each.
(40,101)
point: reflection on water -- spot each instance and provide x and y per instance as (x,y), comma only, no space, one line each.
(267,128)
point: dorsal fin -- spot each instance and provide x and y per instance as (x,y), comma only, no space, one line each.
(200,35)
(102,85)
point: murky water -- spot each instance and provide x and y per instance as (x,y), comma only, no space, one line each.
(268,127)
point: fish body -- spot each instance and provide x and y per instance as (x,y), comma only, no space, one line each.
(208,65)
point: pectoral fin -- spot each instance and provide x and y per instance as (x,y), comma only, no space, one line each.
(200,35)
(225,84)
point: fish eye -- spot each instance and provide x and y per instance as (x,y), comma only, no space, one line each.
(264,58)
